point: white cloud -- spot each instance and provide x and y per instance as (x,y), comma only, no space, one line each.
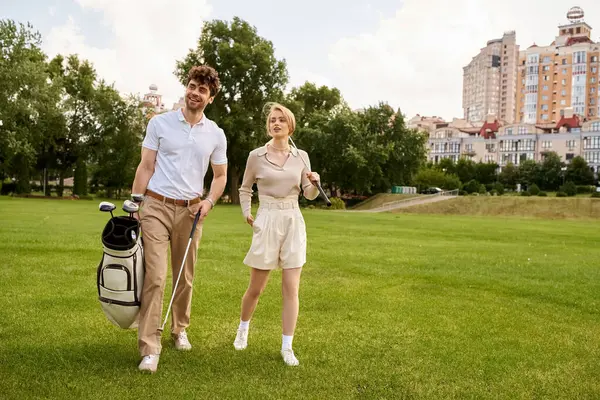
(149,36)
(414,59)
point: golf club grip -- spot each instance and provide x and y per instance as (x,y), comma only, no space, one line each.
(324,195)
(195,223)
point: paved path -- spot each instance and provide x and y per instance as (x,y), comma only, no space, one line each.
(413,201)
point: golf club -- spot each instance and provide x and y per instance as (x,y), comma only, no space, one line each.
(130,207)
(107,206)
(317,183)
(181,269)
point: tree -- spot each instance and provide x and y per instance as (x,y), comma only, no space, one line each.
(529,173)
(485,173)
(579,172)
(550,175)
(466,169)
(117,144)
(250,76)
(509,176)
(23,99)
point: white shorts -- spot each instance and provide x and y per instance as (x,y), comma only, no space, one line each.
(279,235)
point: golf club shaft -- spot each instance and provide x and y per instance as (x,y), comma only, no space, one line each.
(181,269)
(318,184)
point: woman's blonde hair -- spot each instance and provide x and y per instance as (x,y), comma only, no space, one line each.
(287,114)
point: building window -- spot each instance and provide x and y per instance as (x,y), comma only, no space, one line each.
(564,61)
(595,126)
(571,144)
(592,157)
(522,130)
(546,144)
(563,92)
(545,117)
(564,71)
(545,107)
(509,131)
(591,143)
(563,102)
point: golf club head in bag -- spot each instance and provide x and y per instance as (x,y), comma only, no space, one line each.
(107,206)
(130,207)
(120,274)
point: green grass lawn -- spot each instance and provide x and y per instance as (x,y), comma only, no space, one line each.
(392,306)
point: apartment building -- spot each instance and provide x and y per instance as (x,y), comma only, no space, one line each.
(515,143)
(489,81)
(560,76)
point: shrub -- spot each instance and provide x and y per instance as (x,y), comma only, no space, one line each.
(337,203)
(498,187)
(472,186)
(561,194)
(525,194)
(569,188)
(585,189)
(463,193)
(494,192)
(534,190)
(543,194)
(482,189)
(596,195)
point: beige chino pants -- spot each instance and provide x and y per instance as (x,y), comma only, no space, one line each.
(163,224)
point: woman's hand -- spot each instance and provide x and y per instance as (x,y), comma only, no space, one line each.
(250,220)
(313,177)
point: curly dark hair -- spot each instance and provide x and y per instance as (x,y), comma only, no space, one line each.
(205,75)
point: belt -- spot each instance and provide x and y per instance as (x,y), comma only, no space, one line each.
(169,200)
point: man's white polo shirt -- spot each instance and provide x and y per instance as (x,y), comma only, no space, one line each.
(183,153)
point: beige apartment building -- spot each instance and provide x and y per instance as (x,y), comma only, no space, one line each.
(489,81)
(515,143)
(560,76)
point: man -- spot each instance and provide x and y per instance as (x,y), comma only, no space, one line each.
(176,152)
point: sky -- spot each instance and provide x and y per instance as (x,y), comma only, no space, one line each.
(409,54)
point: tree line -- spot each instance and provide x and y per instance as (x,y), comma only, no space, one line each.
(60,119)
(550,174)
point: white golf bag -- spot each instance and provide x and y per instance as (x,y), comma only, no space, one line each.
(120,275)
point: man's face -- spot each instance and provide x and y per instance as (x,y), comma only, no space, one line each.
(197,96)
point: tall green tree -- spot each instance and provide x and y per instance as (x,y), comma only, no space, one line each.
(579,172)
(250,77)
(23,99)
(550,174)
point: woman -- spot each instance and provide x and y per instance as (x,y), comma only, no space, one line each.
(279,238)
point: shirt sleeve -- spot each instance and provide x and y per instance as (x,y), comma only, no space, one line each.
(246,188)
(309,190)
(219,156)
(151,140)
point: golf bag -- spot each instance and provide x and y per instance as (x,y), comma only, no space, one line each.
(120,275)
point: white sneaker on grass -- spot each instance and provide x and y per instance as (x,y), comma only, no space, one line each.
(289,358)
(149,363)
(241,339)
(182,342)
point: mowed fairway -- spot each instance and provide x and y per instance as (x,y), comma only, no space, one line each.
(392,306)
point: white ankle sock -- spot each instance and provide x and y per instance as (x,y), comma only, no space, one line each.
(286,342)
(244,325)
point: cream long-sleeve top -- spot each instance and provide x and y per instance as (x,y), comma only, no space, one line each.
(274,180)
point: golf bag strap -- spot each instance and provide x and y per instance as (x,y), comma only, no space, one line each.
(169,200)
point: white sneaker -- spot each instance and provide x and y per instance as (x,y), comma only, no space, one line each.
(182,342)
(241,339)
(149,363)
(289,358)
